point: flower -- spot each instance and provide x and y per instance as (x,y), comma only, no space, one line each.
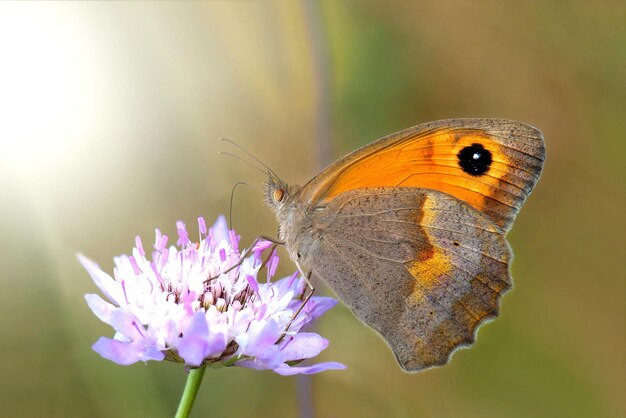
(201,304)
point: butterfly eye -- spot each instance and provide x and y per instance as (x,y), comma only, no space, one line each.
(279,194)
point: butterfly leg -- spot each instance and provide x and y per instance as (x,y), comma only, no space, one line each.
(307,279)
(305,276)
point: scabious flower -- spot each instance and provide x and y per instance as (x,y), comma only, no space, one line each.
(200,303)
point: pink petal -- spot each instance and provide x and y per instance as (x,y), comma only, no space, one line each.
(272,265)
(234,239)
(219,230)
(109,287)
(266,336)
(253,283)
(290,283)
(120,352)
(262,345)
(183,236)
(303,346)
(126,353)
(139,246)
(286,370)
(198,344)
(252,364)
(262,245)
(201,225)
(128,325)
(317,305)
(100,307)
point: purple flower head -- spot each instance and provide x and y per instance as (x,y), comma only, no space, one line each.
(200,303)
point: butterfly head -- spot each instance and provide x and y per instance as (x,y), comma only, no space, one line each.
(277,192)
(279,197)
(292,217)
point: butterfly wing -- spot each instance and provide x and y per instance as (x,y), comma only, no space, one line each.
(419,266)
(409,230)
(491,164)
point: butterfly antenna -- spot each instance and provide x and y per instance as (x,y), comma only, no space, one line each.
(249,154)
(237,157)
(232,195)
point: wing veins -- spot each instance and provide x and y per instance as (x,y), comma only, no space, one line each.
(382,212)
(417,160)
(425,291)
(410,239)
(432,145)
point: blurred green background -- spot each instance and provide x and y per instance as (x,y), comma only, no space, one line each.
(109,119)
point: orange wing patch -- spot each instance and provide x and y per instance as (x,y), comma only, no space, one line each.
(431,263)
(427,272)
(483,167)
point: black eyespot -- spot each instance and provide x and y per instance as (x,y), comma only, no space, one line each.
(298,255)
(456,243)
(475,160)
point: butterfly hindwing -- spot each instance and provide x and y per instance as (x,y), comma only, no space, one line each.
(420,267)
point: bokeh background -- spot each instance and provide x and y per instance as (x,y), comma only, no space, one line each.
(109,119)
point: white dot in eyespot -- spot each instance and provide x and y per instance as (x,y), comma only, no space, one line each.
(476,156)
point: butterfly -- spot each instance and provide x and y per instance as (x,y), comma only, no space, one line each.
(409,231)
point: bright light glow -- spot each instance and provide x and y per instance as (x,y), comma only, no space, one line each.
(46,81)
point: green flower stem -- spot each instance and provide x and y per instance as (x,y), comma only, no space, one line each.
(194,378)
